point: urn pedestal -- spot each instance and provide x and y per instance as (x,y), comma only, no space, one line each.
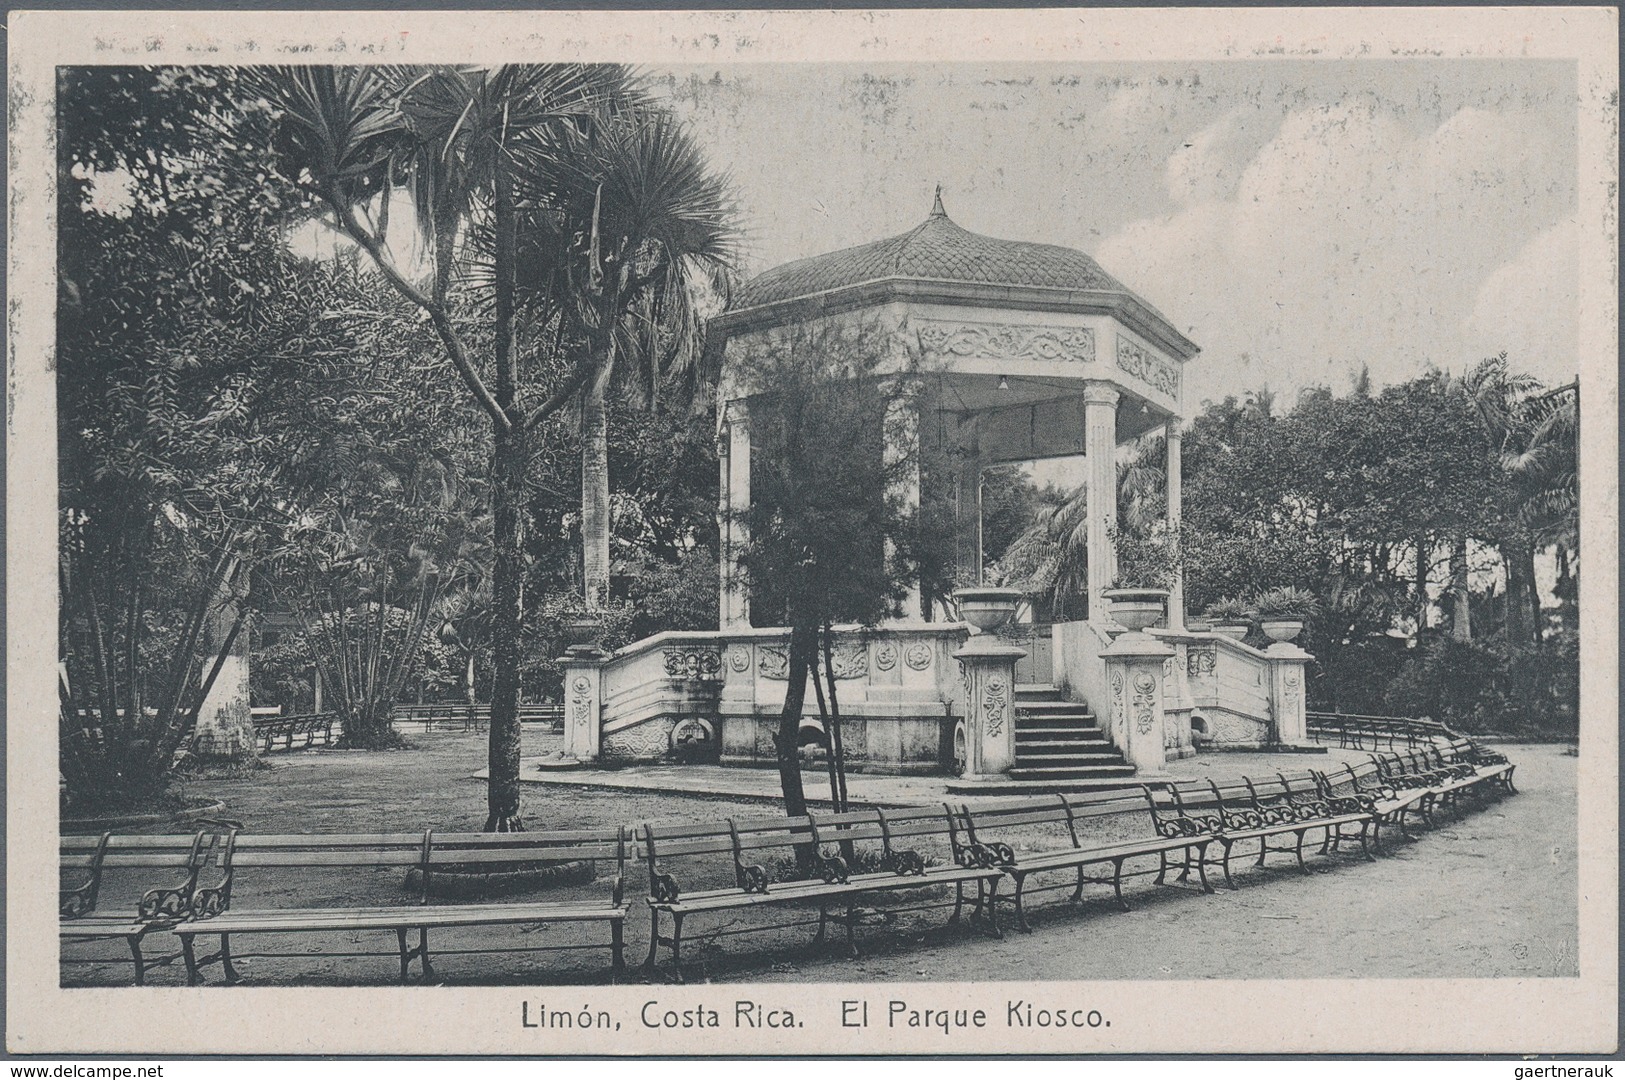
(1136,667)
(988,669)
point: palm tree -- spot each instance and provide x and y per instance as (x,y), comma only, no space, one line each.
(629,233)
(1533,432)
(1050,559)
(460,140)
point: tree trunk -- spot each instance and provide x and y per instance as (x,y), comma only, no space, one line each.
(1517,596)
(1526,553)
(803,647)
(1421,598)
(1461,625)
(595,516)
(507,501)
(832,726)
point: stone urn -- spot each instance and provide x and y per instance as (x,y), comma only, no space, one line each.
(1235,631)
(1136,609)
(581,635)
(1282,630)
(987,608)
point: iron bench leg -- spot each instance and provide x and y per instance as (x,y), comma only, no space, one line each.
(406,954)
(677,941)
(1021,910)
(993,907)
(617,946)
(1117,883)
(959,903)
(225,958)
(1298,850)
(1228,880)
(654,940)
(851,921)
(1201,865)
(188,953)
(140,963)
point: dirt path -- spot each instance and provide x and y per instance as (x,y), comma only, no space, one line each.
(1493,893)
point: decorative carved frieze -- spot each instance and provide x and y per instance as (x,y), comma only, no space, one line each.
(774,662)
(1138,362)
(918,656)
(1200,660)
(739,658)
(693,663)
(1145,701)
(885,656)
(851,661)
(1118,713)
(994,341)
(995,704)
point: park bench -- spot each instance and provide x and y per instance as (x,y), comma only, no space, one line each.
(1389,805)
(1491,765)
(837,882)
(461,715)
(1049,816)
(1227,814)
(426,853)
(269,730)
(1446,781)
(87,860)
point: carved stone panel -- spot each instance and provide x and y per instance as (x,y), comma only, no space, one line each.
(993,341)
(1145,701)
(995,704)
(851,661)
(1138,362)
(1200,660)
(693,663)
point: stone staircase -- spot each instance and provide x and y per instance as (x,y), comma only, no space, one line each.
(1059,747)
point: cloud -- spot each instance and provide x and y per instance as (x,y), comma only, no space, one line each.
(1526,307)
(1346,238)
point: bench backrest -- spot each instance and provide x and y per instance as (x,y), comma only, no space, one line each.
(824,837)
(87,859)
(1061,813)
(429,851)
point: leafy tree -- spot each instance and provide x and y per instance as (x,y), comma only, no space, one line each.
(832,536)
(184,389)
(462,141)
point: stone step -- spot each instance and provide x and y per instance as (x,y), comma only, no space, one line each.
(1083,739)
(1087,772)
(1075,715)
(1080,733)
(1039,787)
(1067,761)
(1037,690)
(1056,723)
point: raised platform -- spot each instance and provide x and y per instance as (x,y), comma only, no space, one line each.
(760,785)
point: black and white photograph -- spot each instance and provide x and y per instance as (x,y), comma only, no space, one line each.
(870,532)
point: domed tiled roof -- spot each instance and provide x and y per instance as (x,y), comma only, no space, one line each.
(935,250)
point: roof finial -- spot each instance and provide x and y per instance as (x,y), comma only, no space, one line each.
(936,207)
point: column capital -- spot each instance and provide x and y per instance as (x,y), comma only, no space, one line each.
(736,412)
(1175,431)
(1097,392)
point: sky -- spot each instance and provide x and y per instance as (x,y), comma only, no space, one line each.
(1298,220)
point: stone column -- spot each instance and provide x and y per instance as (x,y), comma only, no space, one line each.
(1100,448)
(1176,592)
(733,456)
(1288,667)
(968,522)
(902,456)
(988,674)
(1135,672)
(583,705)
